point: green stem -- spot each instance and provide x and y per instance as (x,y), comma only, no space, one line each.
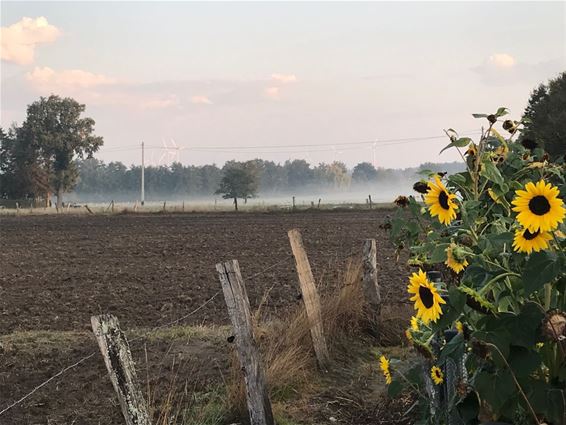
(495,279)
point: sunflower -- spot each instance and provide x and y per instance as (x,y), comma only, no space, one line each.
(539,207)
(440,202)
(526,241)
(455,258)
(437,375)
(426,297)
(459,327)
(414,324)
(384,365)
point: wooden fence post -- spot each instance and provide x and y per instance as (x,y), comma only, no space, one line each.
(293,203)
(118,360)
(310,298)
(259,406)
(369,281)
(370,204)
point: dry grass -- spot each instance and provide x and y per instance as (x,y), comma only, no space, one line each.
(286,346)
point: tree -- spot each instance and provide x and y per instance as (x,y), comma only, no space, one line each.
(55,129)
(546,116)
(23,173)
(237,182)
(364,172)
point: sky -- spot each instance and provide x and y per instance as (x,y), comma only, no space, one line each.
(212,81)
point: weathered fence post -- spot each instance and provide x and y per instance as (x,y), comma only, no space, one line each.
(370,204)
(164,206)
(118,360)
(369,281)
(259,406)
(293,203)
(310,298)
(319,199)
(183,209)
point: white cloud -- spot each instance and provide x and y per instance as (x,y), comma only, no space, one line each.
(201,100)
(18,41)
(502,60)
(272,92)
(47,79)
(284,78)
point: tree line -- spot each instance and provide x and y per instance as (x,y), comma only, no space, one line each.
(51,152)
(98,179)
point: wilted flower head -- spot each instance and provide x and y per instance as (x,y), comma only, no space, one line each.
(421,187)
(401,201)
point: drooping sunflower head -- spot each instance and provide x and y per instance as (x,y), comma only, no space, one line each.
(527,241)
(455,258)
(539,207)
(414,324)
(384,365)
(437,375)
(441,203)
(409,335)
(426,297)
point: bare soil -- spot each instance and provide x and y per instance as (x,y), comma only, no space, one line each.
(148,270)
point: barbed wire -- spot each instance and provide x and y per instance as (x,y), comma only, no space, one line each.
(44,383)
(145,334)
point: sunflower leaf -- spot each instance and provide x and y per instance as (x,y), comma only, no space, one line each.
(501,112)
(491,172)
(439,253)
(459,143)
(394,389)
(542,267)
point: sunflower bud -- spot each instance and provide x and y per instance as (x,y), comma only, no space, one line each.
(554,325)
(529,143)
(421,187)
(492,119)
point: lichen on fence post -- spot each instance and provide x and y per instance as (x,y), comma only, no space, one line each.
(118,359)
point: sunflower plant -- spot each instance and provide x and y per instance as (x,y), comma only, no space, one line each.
(488,247)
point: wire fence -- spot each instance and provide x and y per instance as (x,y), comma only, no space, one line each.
(143,336)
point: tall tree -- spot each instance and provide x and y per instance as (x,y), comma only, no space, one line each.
(364,172)
(546,113)
(56,129)
(238,182)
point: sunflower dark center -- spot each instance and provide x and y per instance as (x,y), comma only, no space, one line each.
(530,236)
(443,200)
(426,296)
(539,205)
(437,373)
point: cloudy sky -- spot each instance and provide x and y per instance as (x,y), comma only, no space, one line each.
(320,81)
